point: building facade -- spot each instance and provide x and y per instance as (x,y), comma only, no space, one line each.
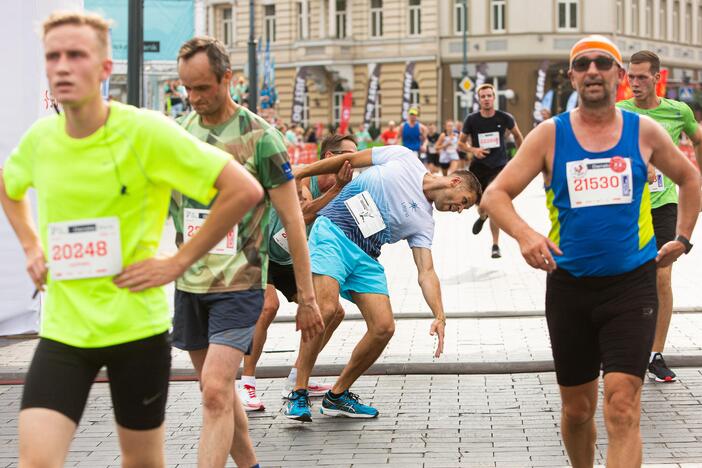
(507,40)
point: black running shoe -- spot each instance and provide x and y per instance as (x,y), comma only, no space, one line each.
(496,251)
(478,225)
(658,370)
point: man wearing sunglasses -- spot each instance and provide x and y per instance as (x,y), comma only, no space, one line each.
(601,254)
(675,117)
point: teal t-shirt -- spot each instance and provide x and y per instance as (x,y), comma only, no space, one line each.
(675,117)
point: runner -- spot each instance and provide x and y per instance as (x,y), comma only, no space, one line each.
(317,193)
(447,144)
(219,299)
(413,133)
(600,291)
(675,117)
(486,129)
(390,135)
(432,152)
(101,231)
(392,200)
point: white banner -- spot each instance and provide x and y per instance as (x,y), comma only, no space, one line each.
(24,93)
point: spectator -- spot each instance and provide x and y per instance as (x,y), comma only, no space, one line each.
(391,135)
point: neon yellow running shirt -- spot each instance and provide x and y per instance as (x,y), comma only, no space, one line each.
(79,179)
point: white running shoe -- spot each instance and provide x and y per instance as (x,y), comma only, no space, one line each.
(251,402)
(314,388)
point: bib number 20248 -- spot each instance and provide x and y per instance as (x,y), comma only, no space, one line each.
(194,219)
(602,181)
(87,248)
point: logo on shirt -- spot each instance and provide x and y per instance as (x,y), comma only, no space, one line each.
(406,207)
(287,170)
(579,170)
(617,164)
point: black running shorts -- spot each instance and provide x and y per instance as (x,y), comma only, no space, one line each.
(283,278)
(60,377)
(665,220)
(609,320)
(484,173)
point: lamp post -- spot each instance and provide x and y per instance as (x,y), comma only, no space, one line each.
(253,78)
(135,53)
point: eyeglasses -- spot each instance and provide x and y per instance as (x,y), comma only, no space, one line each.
(602,63)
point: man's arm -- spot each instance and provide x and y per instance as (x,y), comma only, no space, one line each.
(333,165)
(310,208)
(517,134)
(696,139)
(19,213)
(471,151)
(497,200)
(431,290)
(285,202)
(238,193)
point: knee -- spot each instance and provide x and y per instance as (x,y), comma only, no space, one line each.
(383,331)
(339,314)
(217,396)
(268,313)
(578,413)
(621,410)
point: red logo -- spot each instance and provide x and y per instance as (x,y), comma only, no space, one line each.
(617,164)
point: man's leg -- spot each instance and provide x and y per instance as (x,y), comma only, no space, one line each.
(665,307)
(578,424)
(271,304)
(622,412)
(329,329)
(377,313)
(495,231)
(44,437)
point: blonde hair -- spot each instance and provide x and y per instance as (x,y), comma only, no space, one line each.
(485,86)
(100,25)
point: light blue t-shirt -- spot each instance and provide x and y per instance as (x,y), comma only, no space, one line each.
(395,184)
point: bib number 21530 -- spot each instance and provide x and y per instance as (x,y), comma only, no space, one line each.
(602,181)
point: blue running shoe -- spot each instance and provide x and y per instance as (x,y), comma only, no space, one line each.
(347,405)
(298,407)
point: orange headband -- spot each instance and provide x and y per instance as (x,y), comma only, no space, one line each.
(596,43)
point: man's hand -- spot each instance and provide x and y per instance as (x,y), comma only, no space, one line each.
(479,153)
(344,175)
(36,267)
(669,253)
(438,327)
(149,273)
(309,320)
(536,250)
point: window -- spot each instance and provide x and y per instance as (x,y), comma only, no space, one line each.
(635,17)
(269,23)
(498,15)
(337,104)
(414,94)
(227,27)
(663,21)
(415,17)
(567,15)
(376,18)
(676,20)
(341,19)
(303,21)
(620,16)
(649,19)
(459,16)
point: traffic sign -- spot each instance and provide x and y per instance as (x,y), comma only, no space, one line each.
(686,94)
(466,84)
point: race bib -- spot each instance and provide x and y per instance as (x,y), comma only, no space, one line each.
(489,140)
(602,181)
(86,248)
(365,213)
(658,185)
(281,238)
(195,218)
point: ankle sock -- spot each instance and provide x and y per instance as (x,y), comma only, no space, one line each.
(292,376)
(248,380)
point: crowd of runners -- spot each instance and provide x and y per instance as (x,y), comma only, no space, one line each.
(249,224)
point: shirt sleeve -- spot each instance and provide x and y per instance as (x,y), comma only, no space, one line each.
(509,121)
(271,160)
(384,154)
(180,161)
(689,122)
(423,239)
(467,128)
(17,173)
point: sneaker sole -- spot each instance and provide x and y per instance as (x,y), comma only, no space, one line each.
(318,393)
(334,413)
(655,378)
(249,409)
(304,418)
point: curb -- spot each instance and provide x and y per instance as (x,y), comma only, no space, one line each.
(16,376)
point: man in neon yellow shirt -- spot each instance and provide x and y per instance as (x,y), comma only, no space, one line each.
(103,175)
(676,117)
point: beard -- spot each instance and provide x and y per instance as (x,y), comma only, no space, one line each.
(599,99)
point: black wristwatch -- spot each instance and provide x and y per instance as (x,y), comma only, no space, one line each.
(684,241)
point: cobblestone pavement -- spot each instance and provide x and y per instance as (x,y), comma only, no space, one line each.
(432,421)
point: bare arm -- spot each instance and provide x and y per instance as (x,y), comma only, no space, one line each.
(431,290)
(19,213)
(440,142)
(285,202)
(696,139)
(466,147)
(310,207)
(333,165)
(517,134)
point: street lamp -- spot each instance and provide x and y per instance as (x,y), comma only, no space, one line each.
(253,78)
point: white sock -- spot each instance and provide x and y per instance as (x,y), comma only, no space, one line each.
(653,354)
(292,377)
(248,380)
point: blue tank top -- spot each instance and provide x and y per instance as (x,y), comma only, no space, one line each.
(606,239)
(410,136)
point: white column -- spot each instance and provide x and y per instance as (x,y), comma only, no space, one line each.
(322,22)
(669,19)
(695,32)
(305,19)
(210,21)
(332,18)
(200,15)
(656,19)
(627,17)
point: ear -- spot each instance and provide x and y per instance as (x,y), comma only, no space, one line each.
(455,182)
(106,69)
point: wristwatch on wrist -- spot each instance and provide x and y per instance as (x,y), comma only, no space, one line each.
(684,241)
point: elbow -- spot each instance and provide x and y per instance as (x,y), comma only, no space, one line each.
(254,194)
(486,201)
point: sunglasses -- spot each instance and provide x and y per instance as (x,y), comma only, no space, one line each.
(602,63)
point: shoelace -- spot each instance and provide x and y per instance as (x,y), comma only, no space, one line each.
(301,401)
(353,396)
(251,390)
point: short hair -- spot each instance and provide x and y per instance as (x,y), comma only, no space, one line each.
(647,56)
(333,142)
(215,50)
(485,86)
(469,181)
(100,25)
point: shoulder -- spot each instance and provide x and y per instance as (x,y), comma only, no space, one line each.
(627,104)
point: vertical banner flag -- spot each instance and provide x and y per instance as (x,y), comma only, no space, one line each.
(345,113)
(407,89)
(480,75)
(372,96)
(662,83)
(540,91)
(298,104)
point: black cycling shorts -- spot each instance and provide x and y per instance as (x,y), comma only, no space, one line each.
(60,377)
(433,158)
(485,174)
(283,278)
(609,320)
(665,220)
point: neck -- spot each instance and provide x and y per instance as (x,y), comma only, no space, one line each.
(82,121)
(649,102)
(597,115)
(487,113)
(431,184)
(223,114)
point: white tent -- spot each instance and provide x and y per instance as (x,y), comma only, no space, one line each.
(23,93)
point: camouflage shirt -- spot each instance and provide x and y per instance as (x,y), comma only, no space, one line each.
(260,149)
